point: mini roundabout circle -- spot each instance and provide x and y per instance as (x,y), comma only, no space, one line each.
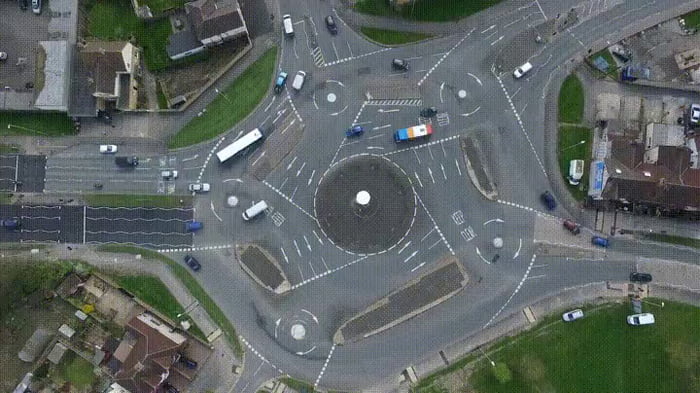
(299,332)
(365,204)
(330,98)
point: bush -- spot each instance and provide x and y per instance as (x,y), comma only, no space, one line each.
(502,373)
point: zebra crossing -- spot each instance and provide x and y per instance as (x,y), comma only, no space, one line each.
(316,53)
(404,102)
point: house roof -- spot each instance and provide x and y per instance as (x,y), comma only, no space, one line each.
(628,151)
(213,17)
(653,192)
(104,59)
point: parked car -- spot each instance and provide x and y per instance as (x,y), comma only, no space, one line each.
(167,175)
(189,363)
(11,223)
(428,112)
(600,241)
(330,24)
(548,200)
(572,227)
(36,7)
(3,56)
(640,319)
(281,80)
(198,187)
(192,226)
(23,4)
(694,114)
(108,149)
(640,277)
(572,315)
(400,64)
(354,131)
(192,263)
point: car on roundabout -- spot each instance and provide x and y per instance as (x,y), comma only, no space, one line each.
(548,200)
(280,82)
(108,149)
(199,187)
(354,131)
(192,262)
(572,315)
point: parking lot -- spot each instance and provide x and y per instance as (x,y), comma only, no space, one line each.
(149,227)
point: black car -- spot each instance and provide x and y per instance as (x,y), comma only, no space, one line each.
(192,263)
(548,200)
(23,4)
(640,277)
(400,64)
(428,112)
(189,363)
(330,24)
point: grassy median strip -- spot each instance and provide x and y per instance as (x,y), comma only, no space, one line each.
(231,105)
(35,123)
(571,100)
(575,144)
(192,286)
(599,353)
(672,239)
(392,37)
(126,200)
(426,10)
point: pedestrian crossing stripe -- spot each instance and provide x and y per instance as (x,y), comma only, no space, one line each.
(189,249)
(400,102)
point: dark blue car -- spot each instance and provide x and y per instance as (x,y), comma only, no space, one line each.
(193,226)
(354,131)
(548,200)
(600,241)
(11,223)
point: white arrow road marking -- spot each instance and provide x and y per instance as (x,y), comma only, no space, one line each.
(482,258)
(520,245)
(190,158)
(284,254)
(494,220)
(410,256)
(214,211)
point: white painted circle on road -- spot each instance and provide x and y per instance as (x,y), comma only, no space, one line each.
(298,331)
(331,97)
(232,201)
(363,198)
(498,242)
(462,94)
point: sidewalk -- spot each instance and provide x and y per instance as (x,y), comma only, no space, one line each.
(217,374)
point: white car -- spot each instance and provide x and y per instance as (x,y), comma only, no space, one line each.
(299,80)
(108,149)
(3,55)
(695,114)
(640,319)
(36,6)
(522,70)
(572,315)
(198,187)
(167,175)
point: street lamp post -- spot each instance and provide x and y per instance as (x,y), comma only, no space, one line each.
(581,142)
(493,364)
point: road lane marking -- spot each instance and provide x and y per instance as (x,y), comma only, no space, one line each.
(317,237)
(442,86)
(427,74)
(498,220)
(418,178)
(520,245)
(488,28)
(291,163)
(413,255)
(301,169)
(284,254)
(288,200)
(497,40)
(404,246)
(540,7)
(297,247)
(428,234)
(417,267)
(443,172)
(381,127)
(458,168)
(434,244)
(430,172)
(477,79)
(435,224)
(478,252)
(284,182)
(214,211)
(190,158)
(311,177)
(532,262)
(307,243)
(325,365)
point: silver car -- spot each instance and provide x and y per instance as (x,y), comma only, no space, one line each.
(572,315)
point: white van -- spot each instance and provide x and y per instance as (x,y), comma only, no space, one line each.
(299,80)
(522,70)
(575,172)
(287,25)
(254,210)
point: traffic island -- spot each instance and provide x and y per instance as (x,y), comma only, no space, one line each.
(365,204)
(263,268)
(476,168)
(417,296)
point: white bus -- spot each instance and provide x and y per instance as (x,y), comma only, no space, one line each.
(239,145)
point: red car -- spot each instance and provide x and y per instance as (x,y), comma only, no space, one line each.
(572,227)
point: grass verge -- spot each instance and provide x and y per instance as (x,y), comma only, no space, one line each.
(35,123)
(125,200)
(392,37)
(427,10)
(680,240)
(299,386)
(115,20)
(158,6)
(232,105)
(162,100)
(692,19)
(570,148)
(599,353)
(8,148)
(191,284)
(571,100)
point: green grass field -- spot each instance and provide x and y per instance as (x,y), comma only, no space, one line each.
(232,105)
(570,148)
(152,291)
(692,19)
(35,123)
(680,240)
(115,20)
(76,370)
(571,100)
(427,10)
(599,353)
(392,37)
(193,287)
(126,200)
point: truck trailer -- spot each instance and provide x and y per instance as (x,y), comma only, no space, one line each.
(411,133)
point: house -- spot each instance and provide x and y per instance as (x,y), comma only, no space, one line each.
(147,356)
(204,24)
(106,76)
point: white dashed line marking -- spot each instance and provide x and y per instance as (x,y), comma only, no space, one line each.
(325,365)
